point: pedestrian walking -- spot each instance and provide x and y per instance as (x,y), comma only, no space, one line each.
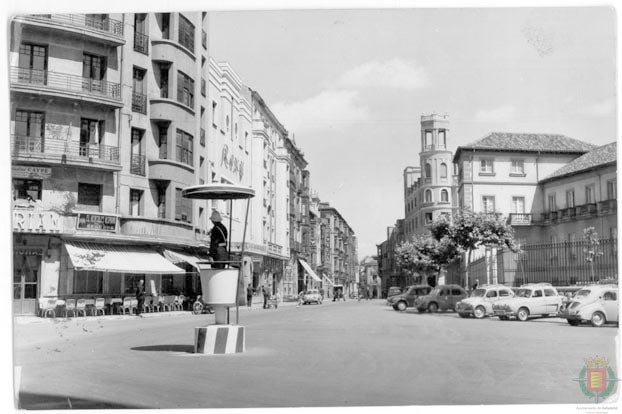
(218,242)
(476,284)
(249,296)
(368,293)
(266,296)
(322,293)
(140,296)
(277,299)
(300,296)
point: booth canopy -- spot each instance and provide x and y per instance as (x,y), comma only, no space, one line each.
(179,257)
(328,279)
(120,259)
(218,191)
(309,270)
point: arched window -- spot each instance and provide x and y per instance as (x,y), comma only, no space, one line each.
(428,196)
(444,195)
(443,170)
(428,170)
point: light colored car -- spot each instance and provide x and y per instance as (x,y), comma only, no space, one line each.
(597,304)
(479,304)
(534,299)
(407,298)
(442,297)
(312,296)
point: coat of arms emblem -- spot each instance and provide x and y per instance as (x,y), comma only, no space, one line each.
(597,379)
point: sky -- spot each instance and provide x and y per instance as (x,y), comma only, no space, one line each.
(351,85)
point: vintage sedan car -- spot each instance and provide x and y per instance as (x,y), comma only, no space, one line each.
(442,297)
(394,290)
(407,298)
(597,304)
(534,299)
(312,296)
(479,304)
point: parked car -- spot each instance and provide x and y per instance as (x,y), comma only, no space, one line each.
(407,299)
(394,290)
(597,304)
(479,304)
(442,297)
(312,296)
(534,299)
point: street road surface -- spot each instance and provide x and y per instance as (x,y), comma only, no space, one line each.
(334,354)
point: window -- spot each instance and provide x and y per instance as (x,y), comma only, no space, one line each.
(428,170)
(91,133)
(504,292)
(93,72)
(518,167)
(549,292)
(164,69)
(443,170)
(139,97)
(183,207)
(161,188)
(570,199)
(26,189)
(442,139)
(428,139)
(428,218)
(184,147)
(444,196)
(137,159)
(518,205)
(135,202)
(611,189)
(537,294)
(141,40)
(610,296)
(214,105)
(33,63)
(491,294)
(89,196)
(428,196)
(87,281)
(185,89)
(166,25)
(131,283)
(30,124)
(552,202)
(486,166)
(186,33)
(589,194)
(163,140)
(456,292)
(488,204)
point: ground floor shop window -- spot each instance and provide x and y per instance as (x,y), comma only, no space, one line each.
(88,281)
(26,189)
(173,284)
(114,283)
(131,283)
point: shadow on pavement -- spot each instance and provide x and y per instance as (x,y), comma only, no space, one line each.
(166,348)
(32,401)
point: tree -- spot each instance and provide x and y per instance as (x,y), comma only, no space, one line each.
(425,255)
(468,231)
(592,250)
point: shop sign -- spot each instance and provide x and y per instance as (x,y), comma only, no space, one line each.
(36,221)
(231,162)
(91,221)
(27,171)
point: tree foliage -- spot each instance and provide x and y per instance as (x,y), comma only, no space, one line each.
(424,254)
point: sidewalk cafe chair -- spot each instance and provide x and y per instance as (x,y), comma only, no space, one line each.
(165,304)
(70,306)
(47,307)
(178,303)
(148,304)
(100,304)
(133,305)
(81,306)
(126,305)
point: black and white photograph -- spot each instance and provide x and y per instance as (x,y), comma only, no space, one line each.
(311,207)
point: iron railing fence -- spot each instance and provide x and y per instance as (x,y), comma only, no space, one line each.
(141,43)
(98,22)
(25,145)
(137,165)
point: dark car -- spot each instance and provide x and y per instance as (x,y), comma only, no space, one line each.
(407,299)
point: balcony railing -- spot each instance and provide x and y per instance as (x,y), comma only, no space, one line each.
(137,165)
(65,81)
(107,25)
(607,206)
(24,145)
(520,219)
(139,103)
(141,43)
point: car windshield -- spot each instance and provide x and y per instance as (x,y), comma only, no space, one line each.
(436,291)
(523,293)
(583,293)
(478,293)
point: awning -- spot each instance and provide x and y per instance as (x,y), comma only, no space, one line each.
(178,257)
(328,279)
(121,259)
(309,270)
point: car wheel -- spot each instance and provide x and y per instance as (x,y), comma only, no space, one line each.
(479,312)
(401,306)
(573,322)
(522,314)
(433,307)
(598,319)
(503,318)
(462,315)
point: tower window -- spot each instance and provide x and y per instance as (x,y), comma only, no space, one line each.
(443,170)
(428,170)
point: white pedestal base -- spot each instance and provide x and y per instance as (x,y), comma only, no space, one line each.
(219,339)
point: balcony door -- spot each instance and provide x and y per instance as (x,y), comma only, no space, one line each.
(29,131)
(91,136)
(93,72)
(26,270)
(33,64)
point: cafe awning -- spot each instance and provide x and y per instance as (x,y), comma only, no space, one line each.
(328,279)
(120,259)
(309,270)
(178,257)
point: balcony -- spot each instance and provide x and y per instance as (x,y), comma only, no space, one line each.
(156,229)
(137,165)
(587,209)
(141,43)
(45,82)
(607,207)
(520,219)
(104,29)
(275,249)
(139,103)
(39,149)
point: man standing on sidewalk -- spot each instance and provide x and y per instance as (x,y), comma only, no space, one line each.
(140,296)
(249,296)
(266,296)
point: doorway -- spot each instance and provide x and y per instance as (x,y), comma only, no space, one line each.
(26,270)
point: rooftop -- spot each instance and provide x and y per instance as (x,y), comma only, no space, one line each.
(522,142)
(607,154)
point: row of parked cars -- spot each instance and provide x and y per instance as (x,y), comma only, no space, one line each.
(597,304)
